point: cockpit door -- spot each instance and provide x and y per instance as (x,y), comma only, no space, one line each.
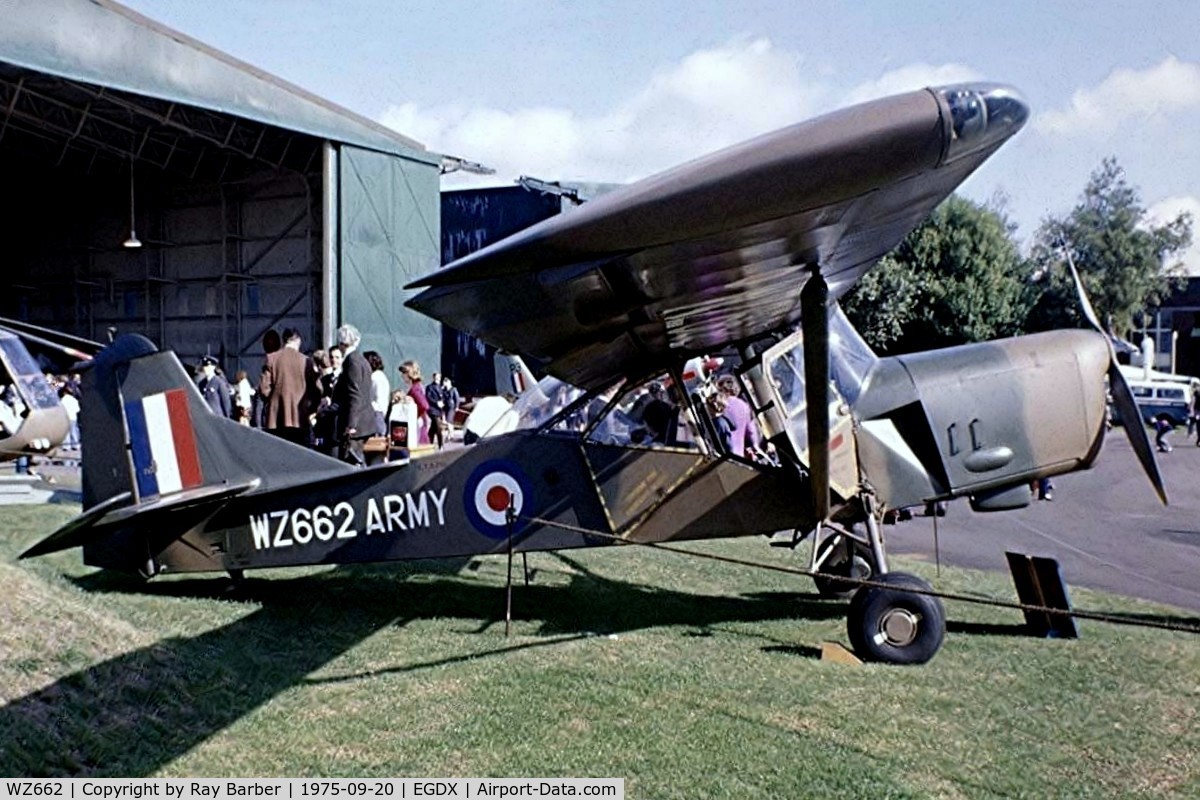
(784,368)
(639,449)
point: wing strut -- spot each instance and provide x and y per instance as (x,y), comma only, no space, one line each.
(814,320)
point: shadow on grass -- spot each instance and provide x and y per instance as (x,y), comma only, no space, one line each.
(987,628)
(804,651)
(133,714)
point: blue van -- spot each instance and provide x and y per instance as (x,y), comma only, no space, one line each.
(1172,399)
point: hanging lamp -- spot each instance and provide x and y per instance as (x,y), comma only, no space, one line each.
(133,241)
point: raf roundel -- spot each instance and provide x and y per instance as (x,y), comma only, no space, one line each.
(495,493)
(492,488)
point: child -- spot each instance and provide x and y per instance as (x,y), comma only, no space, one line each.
(1163,426)
(716,407)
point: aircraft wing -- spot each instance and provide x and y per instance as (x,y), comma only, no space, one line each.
(716,251)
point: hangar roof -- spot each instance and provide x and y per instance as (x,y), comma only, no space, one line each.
(109,46)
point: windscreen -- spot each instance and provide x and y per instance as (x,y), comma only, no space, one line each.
(538,405)
(32,386)
(850,357)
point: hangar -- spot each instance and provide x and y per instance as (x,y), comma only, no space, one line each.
(155,185)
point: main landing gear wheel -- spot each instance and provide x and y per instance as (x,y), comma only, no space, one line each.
(893,626)
(845,557)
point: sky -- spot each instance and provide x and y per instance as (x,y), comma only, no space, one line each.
(601,91)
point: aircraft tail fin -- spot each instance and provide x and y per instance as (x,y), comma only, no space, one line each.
(147,431)
(513,376)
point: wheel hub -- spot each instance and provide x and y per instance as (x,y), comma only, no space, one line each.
(899,627)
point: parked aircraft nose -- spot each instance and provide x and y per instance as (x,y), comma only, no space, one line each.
(982,115)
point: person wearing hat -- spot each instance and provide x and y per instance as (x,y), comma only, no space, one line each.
(214,387)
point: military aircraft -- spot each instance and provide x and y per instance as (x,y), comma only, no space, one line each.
(743,252)
(32,420)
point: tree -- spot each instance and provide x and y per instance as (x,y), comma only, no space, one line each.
(1126,264)
(956,278)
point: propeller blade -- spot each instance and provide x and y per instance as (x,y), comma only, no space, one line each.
(1135,429)
(1127,408)
(1086,302)
(814,319)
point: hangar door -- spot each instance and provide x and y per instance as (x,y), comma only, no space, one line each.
(389,234)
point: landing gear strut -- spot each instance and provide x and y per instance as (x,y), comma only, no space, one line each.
(857,552)
(845,556)
(888,623)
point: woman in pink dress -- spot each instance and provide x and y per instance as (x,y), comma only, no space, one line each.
(411,371)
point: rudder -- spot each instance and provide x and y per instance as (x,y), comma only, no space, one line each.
(146,430)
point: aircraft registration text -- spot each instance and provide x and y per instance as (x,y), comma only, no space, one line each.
(392,513)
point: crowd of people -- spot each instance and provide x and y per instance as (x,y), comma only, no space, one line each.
(334,401)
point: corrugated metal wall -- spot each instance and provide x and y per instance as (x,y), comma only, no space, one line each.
(225,262)
(389,234)
(221,263)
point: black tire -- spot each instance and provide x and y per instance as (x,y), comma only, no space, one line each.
(896,627)
(849,559)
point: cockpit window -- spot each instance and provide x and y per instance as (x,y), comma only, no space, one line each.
(25,374)
(787,374)
(850,361)
(850,357)
(648,414)
(539,404)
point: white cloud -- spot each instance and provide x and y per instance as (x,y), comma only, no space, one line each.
(1166,210)
(711,99)
(913,76)
(1127,95)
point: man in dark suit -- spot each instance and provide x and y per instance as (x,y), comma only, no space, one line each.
(352,396)
(289,390)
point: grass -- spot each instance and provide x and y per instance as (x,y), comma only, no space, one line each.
(687,678)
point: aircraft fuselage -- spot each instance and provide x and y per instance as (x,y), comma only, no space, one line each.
(455,503)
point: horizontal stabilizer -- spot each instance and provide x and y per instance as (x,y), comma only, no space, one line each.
(77,532)
(99,521)
(158,459)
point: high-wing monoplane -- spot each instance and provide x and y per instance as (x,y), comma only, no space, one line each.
(742,253)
